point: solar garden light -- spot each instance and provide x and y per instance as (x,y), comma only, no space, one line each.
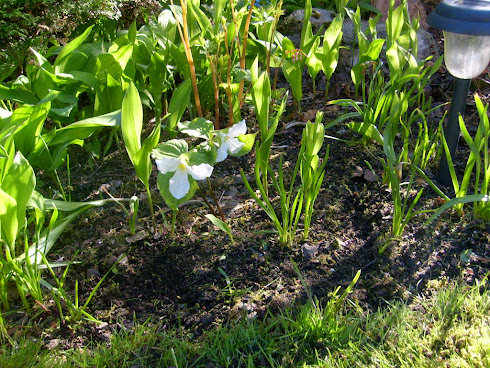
(466,28)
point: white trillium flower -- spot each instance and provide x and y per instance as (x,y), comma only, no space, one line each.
(179,182)
(229,143)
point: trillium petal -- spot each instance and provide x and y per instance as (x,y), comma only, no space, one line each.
(234,145)
(200,172)
(167,164)
(179,183)
(222,152)
(237,129)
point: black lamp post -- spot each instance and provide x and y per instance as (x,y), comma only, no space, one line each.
(466,28)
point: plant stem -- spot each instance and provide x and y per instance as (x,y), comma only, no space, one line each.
(203,196)
(184,35)
(216,202)
(152,210)
(244,50)
(228,80)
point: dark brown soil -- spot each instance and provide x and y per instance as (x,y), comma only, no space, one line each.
(197,278)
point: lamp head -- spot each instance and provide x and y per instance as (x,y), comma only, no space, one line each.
(466,27)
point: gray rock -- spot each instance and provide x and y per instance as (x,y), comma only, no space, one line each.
(310,251)
(292,25)
(427,45)
(93,272)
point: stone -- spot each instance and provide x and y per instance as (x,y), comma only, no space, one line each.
(292,25)
(310,251)
(427,45)
(93,272)
(415,10)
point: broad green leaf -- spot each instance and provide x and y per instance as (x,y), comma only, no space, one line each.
(197,157)
(199,128)
(73,45)
(261,95)
(132,121)
(76,61)
(394,24)
(178,103)
(51,234)
(313,63)
(294,75)
(107,64)
(172,148)
(306,32)
(163,183)
(6,202)
(368,130)
(132,33)
(143,169)
(31,120)
(313,136)
(83,129)
(249,141)
(114,92)
(200,17)
(123,55)
(18,182)
(17,95)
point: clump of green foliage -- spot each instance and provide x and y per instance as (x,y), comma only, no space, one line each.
(42,23)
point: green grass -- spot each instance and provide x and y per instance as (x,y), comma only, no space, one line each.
(449,327)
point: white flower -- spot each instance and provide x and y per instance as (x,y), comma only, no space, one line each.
(179,184)
(229,144)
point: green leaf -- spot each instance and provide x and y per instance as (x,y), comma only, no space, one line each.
(172,148)
(368,130)
(249,141)
(199,128)
(178,103)
(163,183)
(313,136)
(114,93)
(18,182)
(30,120)
(132,121)
(132,32)
(6,202)
(294,75)
(261,95)
(51,234)
(202,156)
(73,45)
(220,224)
(17,95)
(306,32)
(143,169)
(83,129)
(456,201)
